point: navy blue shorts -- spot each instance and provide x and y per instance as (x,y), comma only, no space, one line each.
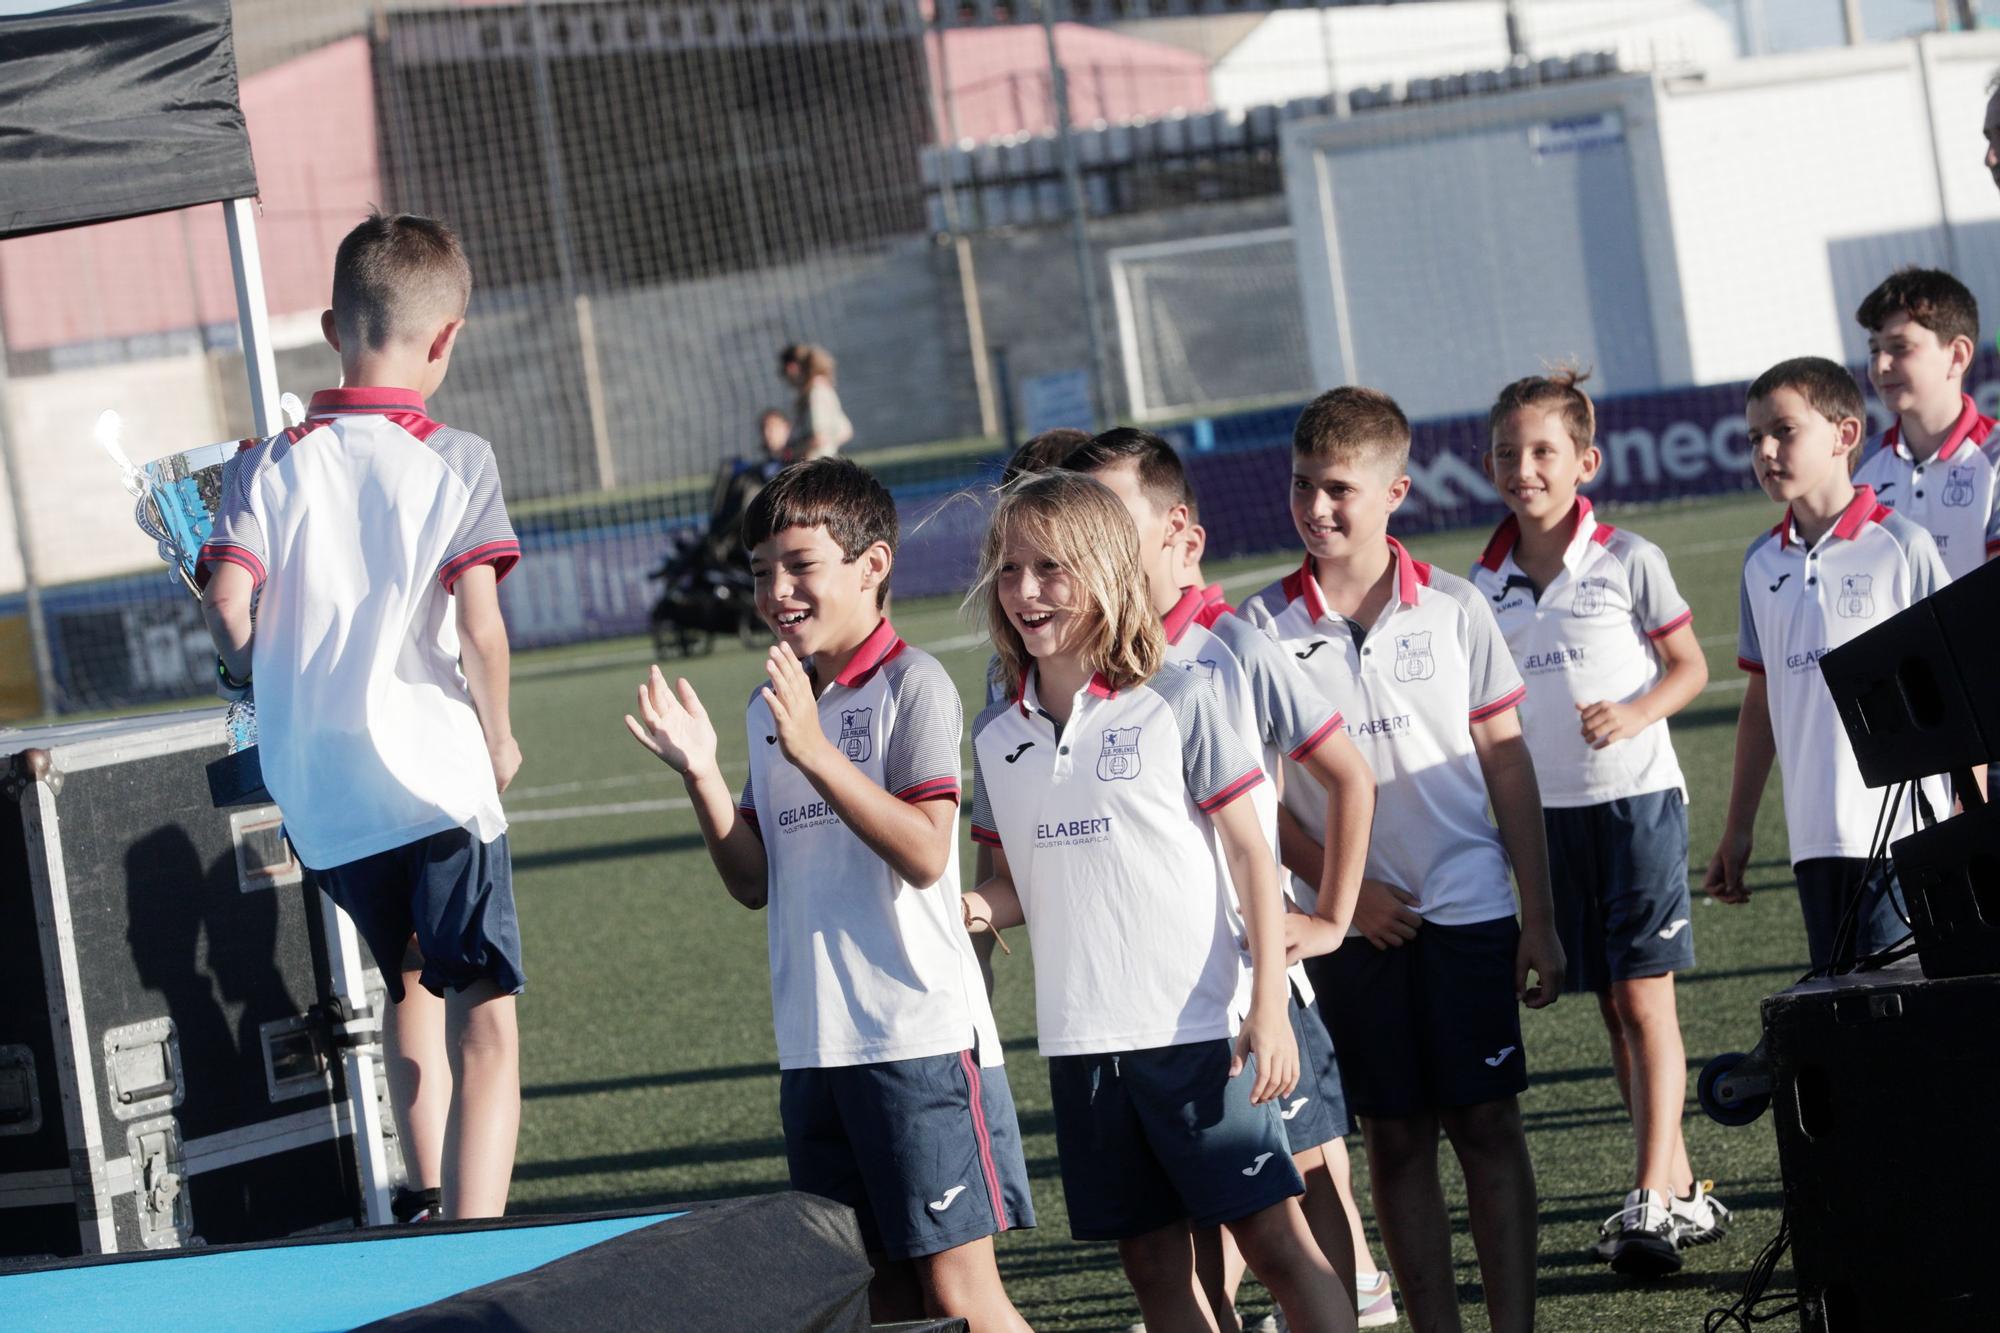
(454,893)
(926,1151)
(1618,872)
(1825,885)
(1316,1112)
(1149,1138)
(1429,1025)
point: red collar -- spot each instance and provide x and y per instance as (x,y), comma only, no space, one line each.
(1508,535)
(362,399)
(1098,686)
(405,407)
(1862,510)
(1182,613)
(875,651)
(1411,575)
(1969,424)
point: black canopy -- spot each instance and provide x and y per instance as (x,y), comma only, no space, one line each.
(113,108)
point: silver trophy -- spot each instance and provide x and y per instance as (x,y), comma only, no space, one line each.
(176,501)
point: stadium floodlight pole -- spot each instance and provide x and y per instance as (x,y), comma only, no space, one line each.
(1079,225)
(31,587)
(1340,107)
(562,231)
(961,244)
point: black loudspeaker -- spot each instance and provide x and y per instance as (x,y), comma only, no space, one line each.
(1950,875)
(1915,693)
(1883,1095)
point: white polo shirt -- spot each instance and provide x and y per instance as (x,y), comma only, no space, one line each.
(1588,638)
(1410,686)
(355,524)
(1288,719)
(1136,935)
(1952,495)
(865,966)
(1271,707)
(1797,605)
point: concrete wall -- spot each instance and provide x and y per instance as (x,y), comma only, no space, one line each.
(1762,200)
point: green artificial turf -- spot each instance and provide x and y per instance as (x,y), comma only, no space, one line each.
(648,1063)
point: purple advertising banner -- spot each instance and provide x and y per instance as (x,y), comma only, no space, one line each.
(135,640)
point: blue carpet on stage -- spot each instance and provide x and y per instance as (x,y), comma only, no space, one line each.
(294,1288)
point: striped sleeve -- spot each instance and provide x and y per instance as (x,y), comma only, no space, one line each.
(921,735)
(236,536)
(485,535)
(1657,603)
(1749,650)
(983,830)
(1215,763)
(746,804)
(1494,682)
(1294,717)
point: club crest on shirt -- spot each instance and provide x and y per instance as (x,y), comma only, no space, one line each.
(1857,600)
(1589,598)
(1958,486)
(1204,668)
(1413,657)
(1119,757)
(857,741)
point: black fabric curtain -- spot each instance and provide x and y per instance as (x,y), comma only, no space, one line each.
(113,108)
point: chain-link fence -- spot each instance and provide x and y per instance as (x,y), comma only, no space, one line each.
(658,195)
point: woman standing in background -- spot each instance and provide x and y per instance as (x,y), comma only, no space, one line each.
(819,427)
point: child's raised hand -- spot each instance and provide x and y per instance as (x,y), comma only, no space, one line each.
(1269,1038)
(676,729)
(1605,722)
(794,709)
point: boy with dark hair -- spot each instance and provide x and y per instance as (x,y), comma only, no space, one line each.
(892,1091)
(381,675)
(1285,722)
(1938,463)
(1424,1020)
(1838,564)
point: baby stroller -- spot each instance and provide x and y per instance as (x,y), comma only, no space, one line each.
(706,587)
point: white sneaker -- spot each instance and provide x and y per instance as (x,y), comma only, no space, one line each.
(1700,1217)
(1647,1243)
(1375,1302)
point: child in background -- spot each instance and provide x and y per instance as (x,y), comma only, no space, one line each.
(892,1091)
(1937,464)
(1837,565)
(1425,1018)
(1108,788)
(1607,647)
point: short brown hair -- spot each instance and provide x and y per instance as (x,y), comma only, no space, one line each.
(837,494)
(1930,297)
(1078,521)
(1825,385)
(398,275)
(1351,423)
(1161,475)
(1043,452)
(816,359)
(1557,392)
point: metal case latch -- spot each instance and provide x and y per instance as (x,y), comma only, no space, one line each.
(142,1066)
(157,1179)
